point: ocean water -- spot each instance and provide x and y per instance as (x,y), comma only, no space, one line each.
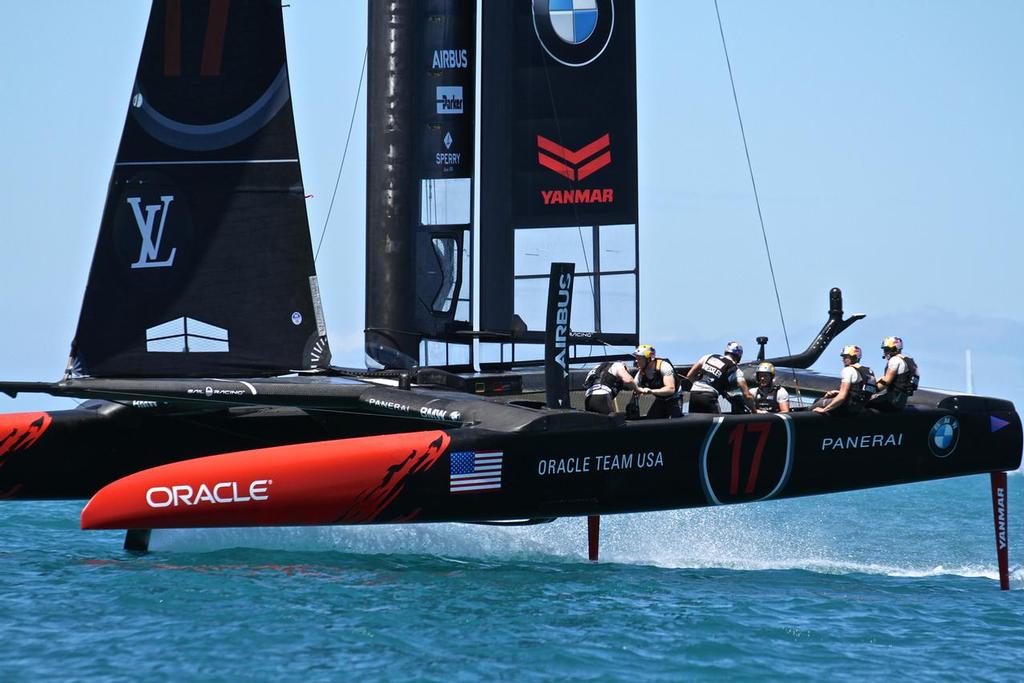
(890,582)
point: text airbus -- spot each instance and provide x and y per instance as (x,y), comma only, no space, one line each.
(450,59)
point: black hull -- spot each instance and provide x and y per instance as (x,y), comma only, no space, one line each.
(565,463)
(694,462)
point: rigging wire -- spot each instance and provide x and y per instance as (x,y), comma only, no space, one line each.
(753,184)
(344,154)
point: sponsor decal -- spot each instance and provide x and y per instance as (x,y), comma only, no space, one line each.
(1001,517)
(574,32)
(389,405)
(433,413)
(449,99)
(450,59)
(857,441)
(553,197)
(475,471)
(611,462)
(944,435)
(296,318)
(220,493)
(562,322)
(448,158)
(151,232)
(995,423)
(424,411)
(210,392)
(575,165)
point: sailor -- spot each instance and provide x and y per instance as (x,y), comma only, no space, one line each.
(769,397)
(713,376)
(900,379)
(856,385)
(656,377)
(603,384)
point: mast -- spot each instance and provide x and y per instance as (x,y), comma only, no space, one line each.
(389,249)
(419,161)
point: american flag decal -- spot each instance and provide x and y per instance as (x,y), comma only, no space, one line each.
(475,471)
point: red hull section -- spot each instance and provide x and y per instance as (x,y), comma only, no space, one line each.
(348,481)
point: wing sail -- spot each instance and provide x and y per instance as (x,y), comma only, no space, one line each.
(203,265)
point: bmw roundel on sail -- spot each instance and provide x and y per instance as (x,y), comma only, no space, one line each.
(574,32)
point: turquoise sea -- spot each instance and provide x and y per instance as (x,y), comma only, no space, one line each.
(889,582)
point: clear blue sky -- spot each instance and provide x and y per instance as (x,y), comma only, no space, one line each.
(886,139)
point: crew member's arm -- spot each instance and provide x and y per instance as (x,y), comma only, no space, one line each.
(783,398)
(636,382)
(694,369)
(840,397)
(890,374)
(741,384)
(628,382)
(668,381)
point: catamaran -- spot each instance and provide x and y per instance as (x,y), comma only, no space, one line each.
(203,355)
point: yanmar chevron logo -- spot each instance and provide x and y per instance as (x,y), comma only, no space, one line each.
(575,165)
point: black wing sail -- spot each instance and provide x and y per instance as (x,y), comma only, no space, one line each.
(558,172)
(203,266)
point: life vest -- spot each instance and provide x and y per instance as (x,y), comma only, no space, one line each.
(657,381)
(864,388)
(767,401)
(715,372)
(601,375)
(906,382)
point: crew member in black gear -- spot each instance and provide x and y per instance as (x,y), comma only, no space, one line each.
(899,381)
(768,396)
(656,377)
(603,384)
(856,386)
(715,375)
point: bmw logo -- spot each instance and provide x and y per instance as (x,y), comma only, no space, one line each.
(944,435)
(574,32)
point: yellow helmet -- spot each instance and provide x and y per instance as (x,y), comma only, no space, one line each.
(853,351)
(644,351)
(765,368)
